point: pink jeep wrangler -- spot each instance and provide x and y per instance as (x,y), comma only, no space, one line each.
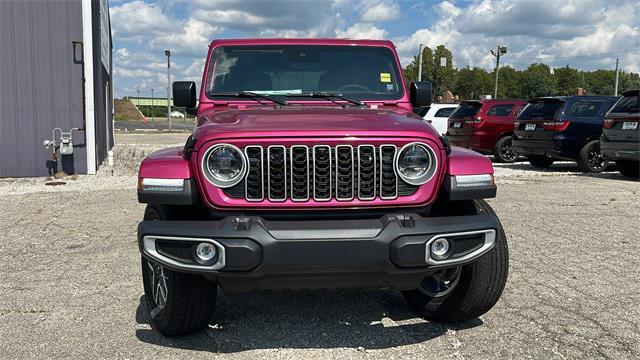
(308,169)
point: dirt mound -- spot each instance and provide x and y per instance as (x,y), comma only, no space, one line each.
(125,110)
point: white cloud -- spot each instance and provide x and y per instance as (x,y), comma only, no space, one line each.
(572,32)
(257,16)
(379,11)
(192,40)
(137,19)
(362,31)
(558,33)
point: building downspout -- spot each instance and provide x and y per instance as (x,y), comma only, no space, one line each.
(89,91)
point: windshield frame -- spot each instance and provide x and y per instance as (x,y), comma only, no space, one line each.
(402,93)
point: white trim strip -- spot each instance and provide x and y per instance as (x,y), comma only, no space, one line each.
(89,89)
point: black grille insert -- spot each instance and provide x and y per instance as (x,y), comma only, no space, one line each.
(277,176)
(388,178)
(299,172)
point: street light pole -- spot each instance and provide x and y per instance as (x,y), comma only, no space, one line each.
(500,50)
(420,64)
(168,53)
(615,91)
(151,107)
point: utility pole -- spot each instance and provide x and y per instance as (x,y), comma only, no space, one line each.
(168,53)
(498,52)
(138,99)
(615,91)
(151,107)
(420,63)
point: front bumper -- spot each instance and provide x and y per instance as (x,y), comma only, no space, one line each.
(260,254)
(619,150)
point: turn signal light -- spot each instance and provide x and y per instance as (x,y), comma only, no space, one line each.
(608,123)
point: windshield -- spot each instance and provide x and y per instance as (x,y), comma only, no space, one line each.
(466,109)
(359,72)
(541,110)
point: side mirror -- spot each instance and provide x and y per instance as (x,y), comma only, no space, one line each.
(420,93)
(184,94)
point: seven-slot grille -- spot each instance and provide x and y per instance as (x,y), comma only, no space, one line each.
(321,173)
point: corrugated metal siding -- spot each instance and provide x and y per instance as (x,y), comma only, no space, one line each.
(40,85)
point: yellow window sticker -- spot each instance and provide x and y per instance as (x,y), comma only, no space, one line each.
(385,77)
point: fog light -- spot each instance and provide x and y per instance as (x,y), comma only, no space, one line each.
(206,253)
(440,248)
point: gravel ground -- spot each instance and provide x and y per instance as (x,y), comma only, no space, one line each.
(72,287)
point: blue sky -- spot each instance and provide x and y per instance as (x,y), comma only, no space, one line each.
(586,34)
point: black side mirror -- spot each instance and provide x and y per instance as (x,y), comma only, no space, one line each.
(420,93)
(184,94)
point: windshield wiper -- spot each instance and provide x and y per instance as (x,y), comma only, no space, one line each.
(328,96)
(251,95)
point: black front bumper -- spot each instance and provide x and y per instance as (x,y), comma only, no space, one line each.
(260,254)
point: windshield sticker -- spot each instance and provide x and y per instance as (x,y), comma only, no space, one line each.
(385,77)
(389,87)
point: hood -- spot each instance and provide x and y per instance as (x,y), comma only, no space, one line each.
(307,121)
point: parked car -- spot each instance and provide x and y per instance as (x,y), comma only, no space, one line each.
(438,114)
(347,188)
(563,128)
(620,140)
(486,126)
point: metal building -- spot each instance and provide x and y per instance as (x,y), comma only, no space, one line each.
(55,72)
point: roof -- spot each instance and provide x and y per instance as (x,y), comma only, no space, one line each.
(482,101)
(565,98)
(299,41)
(635,92)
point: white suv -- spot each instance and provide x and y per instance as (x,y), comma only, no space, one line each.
(438,114)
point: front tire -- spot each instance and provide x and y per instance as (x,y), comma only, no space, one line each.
(178,303)
(503,151)
(629,168)
(538,161)
(465,292)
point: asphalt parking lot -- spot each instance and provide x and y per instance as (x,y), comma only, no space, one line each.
(72,287)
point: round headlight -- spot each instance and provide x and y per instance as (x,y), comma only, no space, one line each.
(416,163)
(224,165)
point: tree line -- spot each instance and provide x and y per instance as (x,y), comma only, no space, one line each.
(536,80)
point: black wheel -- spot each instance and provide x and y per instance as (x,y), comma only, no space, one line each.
(591,159)
(465,292)
(629,168)
(503,151)
(178,303)
(540,161)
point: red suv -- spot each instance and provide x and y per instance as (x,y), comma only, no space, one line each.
(486,126)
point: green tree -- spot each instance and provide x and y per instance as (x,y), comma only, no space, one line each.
(508,83)
(628,81)
(537,81)
(411,70)
(471,82)
(568,80)
(600,82)
(443,77)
